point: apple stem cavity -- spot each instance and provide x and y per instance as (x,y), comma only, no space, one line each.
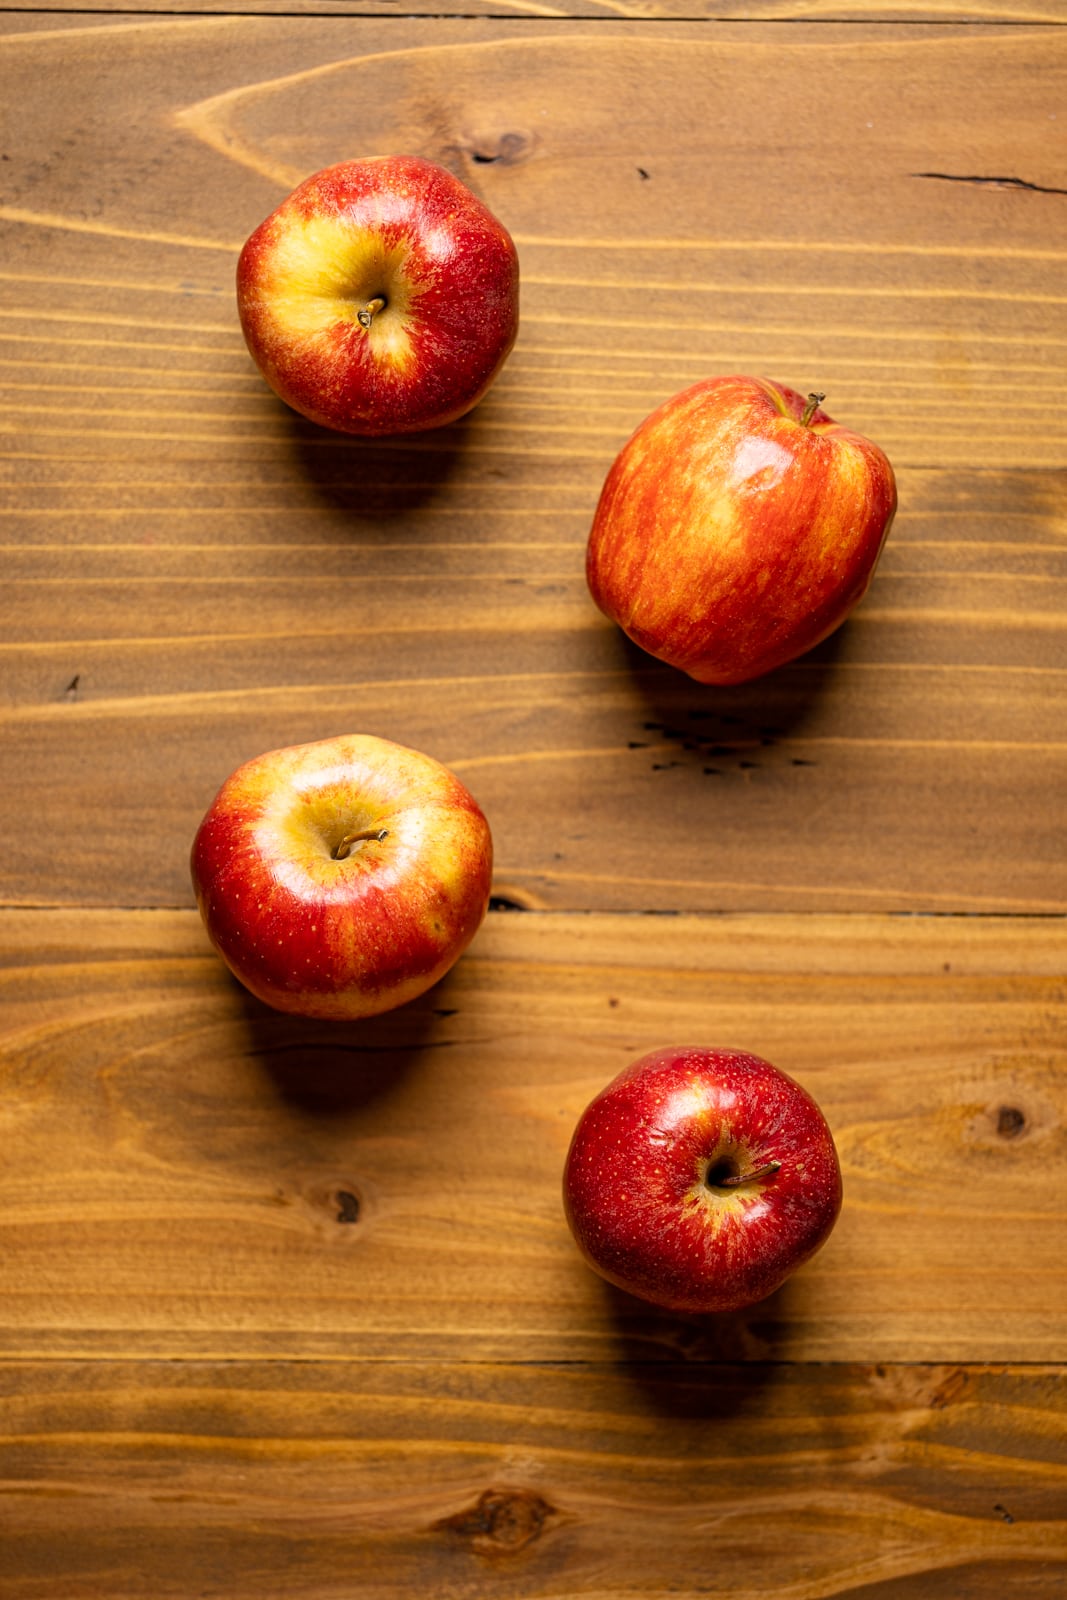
(736,1179)
(344,849)
(366,314)
(815,400)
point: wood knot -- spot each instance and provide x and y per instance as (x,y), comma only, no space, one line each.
(1011,1122)
(501,1521)
(506,150)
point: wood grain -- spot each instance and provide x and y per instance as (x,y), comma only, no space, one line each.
(846,785)
(193,576)
(764,11)
(909,259)
(324,1480)
(188,1174)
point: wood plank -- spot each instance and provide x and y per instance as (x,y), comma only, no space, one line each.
(763,11)
(310,1479)
(182,1167)
(845,784)
(908,260)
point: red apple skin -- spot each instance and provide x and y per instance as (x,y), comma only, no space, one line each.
(396,227)
(731,536)
(635,1190)
(322,937)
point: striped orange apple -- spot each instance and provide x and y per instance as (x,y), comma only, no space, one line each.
(738,526)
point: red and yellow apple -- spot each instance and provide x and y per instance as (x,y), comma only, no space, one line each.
(381,296)
(342,878)
(700,1179)
(737,527)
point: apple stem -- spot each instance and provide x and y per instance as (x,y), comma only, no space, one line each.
(345,847)
(815,400)
(768,1170)
(366,314)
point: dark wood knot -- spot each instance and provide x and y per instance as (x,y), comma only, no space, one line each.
(1010,1122)
(501,1521)
(506,151)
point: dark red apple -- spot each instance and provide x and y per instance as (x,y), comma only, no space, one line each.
(380,297)
(738,526)
(342,878)
(699,1179)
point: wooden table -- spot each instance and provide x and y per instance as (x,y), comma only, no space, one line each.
(291,1310)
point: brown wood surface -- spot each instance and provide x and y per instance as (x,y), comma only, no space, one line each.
(292,1310)
(480,1479)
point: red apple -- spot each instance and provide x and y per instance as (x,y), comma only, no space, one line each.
(381,297)
(342,878)
(737,527)
(700,1179)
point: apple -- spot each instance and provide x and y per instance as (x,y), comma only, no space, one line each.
(380,297)
(699,1179)
(737,527)
(342,878)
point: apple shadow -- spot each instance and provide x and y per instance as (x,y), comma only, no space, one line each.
(703,1367)
(335,1070)
(375,480)
(722,730)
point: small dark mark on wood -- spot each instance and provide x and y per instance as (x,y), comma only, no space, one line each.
(652,727)
(798,761)
(1010,1122)
(348,1206)
(991,183)
(951,1388)
(613,1000)
(446,1011)
(503,902)
(642,173)
(712,772)
(1004,1513)
(946,966)
(71,691)
(747,766)
(663,766)
(637,744)
(511,147)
